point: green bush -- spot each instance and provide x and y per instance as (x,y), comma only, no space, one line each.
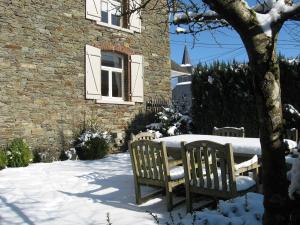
(3,159)
(94,148)
(223,95)
(18,153)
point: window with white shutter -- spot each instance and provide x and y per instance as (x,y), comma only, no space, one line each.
(108,13)
(107,77)
(137,78)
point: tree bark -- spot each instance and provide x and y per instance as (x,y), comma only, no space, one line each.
(266,77)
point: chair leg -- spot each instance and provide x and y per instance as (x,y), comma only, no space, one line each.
(255,177)
(138,194)
(169,197)
(189,203)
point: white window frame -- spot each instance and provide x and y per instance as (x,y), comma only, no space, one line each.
(93,67)
(134,20)
(110,8)
(110,70)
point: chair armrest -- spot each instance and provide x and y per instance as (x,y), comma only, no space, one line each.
(174,162)
(248,165)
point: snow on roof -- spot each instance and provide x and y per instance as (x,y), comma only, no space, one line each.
(179,70)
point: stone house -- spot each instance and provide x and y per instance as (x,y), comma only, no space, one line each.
(63,62)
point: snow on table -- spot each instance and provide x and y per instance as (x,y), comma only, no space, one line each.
(239,144)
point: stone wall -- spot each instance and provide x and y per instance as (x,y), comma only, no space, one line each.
(42,71)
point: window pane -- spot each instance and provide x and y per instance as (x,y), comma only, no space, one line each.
(104,12)
(116,84)
(116,20)
(104,83)
(116,11)
(111,60)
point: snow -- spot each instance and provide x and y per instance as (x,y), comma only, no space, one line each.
(267,12)
(176,173)
(85,192)
(247,163)
(75,192)
(295,179)
(171,130)
(291,110)
(247,209)
(180,30)
(239,145)
(272,11)
(184,83)
(190,15)
(210,79)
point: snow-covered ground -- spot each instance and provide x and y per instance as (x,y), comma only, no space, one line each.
(86,192)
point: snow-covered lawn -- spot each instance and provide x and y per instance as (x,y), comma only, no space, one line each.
(75,192)
(83,192)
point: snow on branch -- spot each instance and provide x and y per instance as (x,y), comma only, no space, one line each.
(187,17)
(271,11)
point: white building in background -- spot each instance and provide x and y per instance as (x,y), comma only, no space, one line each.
(181,76)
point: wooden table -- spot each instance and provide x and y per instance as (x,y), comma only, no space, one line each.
(243,148)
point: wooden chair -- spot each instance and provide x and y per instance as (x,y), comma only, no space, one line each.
(142,136)
(223,181)
(150,136)
(229,131)
(151,168)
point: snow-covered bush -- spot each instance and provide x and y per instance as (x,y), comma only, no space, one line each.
(18,153)
(170,122)
(92,144)
(291,116)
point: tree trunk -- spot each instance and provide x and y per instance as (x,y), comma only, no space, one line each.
(266,75)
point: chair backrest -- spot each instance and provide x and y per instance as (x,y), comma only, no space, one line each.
(142,136)
(229,131)
(201,158)
(149,159)
(292,134)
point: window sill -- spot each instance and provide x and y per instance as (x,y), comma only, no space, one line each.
(114,102)
(114,27)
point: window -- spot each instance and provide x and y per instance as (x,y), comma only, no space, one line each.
(108,13)
(113,78)
(112,75)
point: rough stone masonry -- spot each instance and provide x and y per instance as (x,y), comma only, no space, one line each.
(42,70)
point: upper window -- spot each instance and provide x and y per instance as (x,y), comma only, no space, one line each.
(112,77)
(108,13)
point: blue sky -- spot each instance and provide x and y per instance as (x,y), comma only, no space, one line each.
(226,45)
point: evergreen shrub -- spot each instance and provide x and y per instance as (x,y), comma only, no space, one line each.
(18,153)
(3,159)
(223,95)
(95,148)
(171,122)
(92,142)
